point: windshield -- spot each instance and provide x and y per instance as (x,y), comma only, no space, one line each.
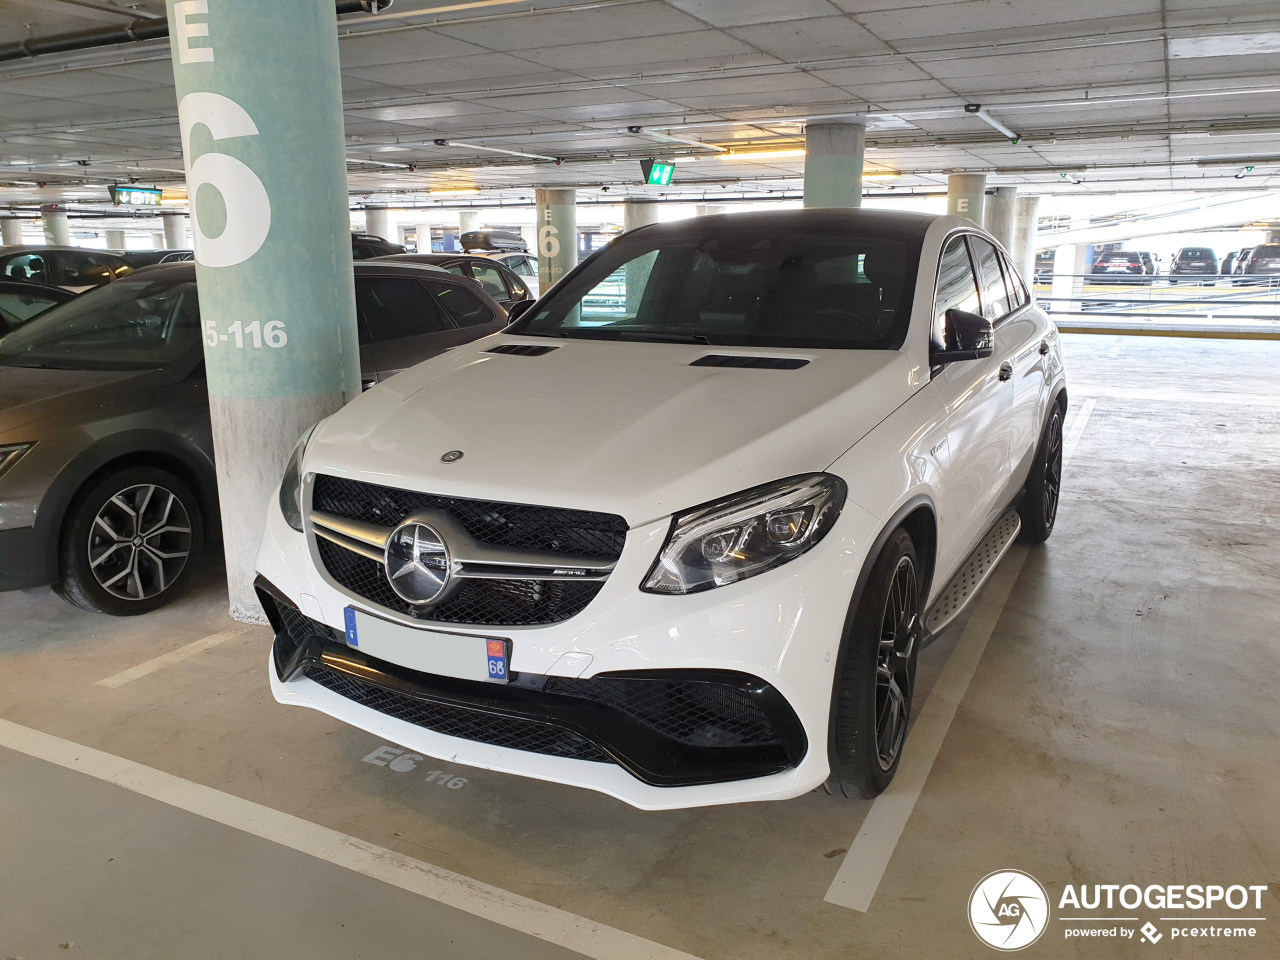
(131,324)
(752,289)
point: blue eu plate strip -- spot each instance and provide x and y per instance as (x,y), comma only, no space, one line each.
(350,615)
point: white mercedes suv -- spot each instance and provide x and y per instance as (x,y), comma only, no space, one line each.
(679,532)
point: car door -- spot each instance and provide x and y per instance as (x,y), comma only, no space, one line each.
(474,316)
(401,324)
(978,402)
(524,267)
(1023,334)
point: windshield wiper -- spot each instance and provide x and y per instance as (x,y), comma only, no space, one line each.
(661,337)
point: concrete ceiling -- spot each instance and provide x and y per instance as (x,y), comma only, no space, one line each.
(1122,95)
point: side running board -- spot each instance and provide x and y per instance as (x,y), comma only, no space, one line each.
(973,573)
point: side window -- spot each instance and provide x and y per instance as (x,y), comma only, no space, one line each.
(396,307)
(1013,283)
(465,307)
(27,266)
(957,289)
(520,266)
(995,302)
(84,269)
(490,280)
(16,308)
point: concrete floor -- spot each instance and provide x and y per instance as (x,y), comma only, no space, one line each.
(1122,727)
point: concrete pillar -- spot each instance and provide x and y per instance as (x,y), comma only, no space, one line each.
(468,220)
(175,230)
(1069,264)
(833,155)
(637,214)
(56,231)
(529,234)
(11,231)
(376,222)
(1026,217)
(115,239)
(157,241)
(260,112)
(423,232)
(998,215)
(966,193)
(711,209)
(557,235)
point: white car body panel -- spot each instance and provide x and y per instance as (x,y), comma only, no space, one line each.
(652,436)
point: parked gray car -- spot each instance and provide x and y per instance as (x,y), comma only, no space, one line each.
(107,483)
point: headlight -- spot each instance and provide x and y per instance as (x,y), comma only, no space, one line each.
(291,484)
(11,454)
(746,534)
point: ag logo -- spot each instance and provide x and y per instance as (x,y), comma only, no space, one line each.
(1008,910)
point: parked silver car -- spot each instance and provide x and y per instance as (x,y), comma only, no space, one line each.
(107,483)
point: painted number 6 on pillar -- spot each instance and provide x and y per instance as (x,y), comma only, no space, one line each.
(245,198)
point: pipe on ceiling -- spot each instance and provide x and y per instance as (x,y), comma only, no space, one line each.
(135,31)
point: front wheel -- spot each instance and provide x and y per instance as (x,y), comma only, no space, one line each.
(1039,506)
(128,540)
(876,675)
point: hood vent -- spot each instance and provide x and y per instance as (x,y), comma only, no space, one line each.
(757,363)
(522,349)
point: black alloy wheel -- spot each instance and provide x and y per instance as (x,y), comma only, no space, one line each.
(1039,506)
(128,540)
(876,673)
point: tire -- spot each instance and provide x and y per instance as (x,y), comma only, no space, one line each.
(1039,505)
(107,563)
(876,674)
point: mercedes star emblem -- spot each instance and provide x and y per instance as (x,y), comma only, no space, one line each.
(417,562)
(453,456)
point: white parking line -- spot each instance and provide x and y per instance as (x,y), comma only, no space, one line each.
(863,867)
(173,656)
(510,910)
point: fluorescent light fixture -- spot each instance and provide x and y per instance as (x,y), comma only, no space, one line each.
(463,192)
(1224,45)
(993,122)
(480,146)
(881,175)
(761,154)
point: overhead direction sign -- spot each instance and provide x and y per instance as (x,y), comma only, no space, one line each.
(134,196)
(656,172)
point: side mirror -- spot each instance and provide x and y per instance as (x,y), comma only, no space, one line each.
(518,309)
(967,336)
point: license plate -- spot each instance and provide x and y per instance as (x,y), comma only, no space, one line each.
(430,651)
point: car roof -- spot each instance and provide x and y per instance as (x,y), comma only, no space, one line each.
(40,248)
(839,220)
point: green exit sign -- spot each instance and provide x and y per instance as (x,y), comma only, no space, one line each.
(656,173)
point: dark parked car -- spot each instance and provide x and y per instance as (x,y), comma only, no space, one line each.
(1044,266)
(68,267)
(365,246)
(106,456)
(1229,261)
(497,279)
(1192,262)
(1121,266)
(1261,263)
(145,258)
(20,302)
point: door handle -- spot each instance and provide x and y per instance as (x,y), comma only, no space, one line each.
(1044,347)
(1006,370)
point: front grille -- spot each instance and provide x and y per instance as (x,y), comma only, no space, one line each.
(694,712)
(454,721)
(493,603)
(487,602)
(596,535)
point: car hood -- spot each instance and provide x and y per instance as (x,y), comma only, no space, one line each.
(28,394)
(626,428)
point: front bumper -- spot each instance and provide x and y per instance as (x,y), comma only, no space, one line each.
(770,641)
